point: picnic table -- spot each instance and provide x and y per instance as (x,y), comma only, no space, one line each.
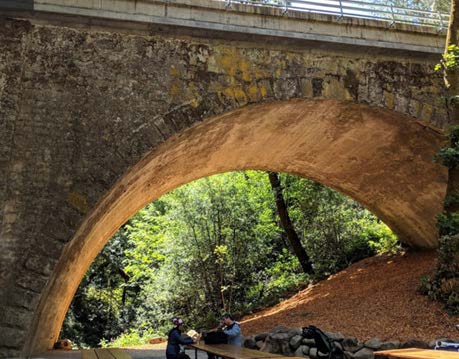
(106,353)
(414,353)
(234,352)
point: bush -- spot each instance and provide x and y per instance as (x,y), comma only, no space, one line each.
(132,338)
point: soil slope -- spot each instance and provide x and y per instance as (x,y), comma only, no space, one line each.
(376,297)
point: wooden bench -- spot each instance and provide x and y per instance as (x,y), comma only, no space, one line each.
(414,353)
(234,352)
(106,353)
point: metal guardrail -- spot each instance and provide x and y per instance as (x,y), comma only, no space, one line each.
(358,8)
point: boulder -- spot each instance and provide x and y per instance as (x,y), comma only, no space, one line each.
(337,337)
(250,343)
(313,353)
(350,343)
(280,329)
(295,331)
(390,345)
(364,353)
(278,343)
(415,343)
(295,341)
(338,345)
(260,336)
(260,344)
(280,337)
(309,342)
(373,343)
(299,352)
(306,349)
(63,344)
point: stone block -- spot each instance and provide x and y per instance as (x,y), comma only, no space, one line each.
(364,353)
(295,341)
(373,343)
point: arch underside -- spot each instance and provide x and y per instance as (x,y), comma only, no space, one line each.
(380,158)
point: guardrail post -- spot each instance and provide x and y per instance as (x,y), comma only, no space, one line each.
(392,24)
(341,11)
(441,25)
(285,7)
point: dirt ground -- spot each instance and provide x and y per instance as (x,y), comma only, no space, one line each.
(376,297)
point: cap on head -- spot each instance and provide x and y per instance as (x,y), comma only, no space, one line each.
(228,316)
(177,322)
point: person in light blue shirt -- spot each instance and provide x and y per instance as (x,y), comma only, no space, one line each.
(232,329)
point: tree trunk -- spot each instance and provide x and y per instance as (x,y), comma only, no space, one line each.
(287,225)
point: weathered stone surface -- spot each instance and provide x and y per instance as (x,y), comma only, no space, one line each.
(295,331)
(261,336)
(335,336)
(349,342)
(313,353)
(260,344)
(309,342)
(295,341)
(389,345)
(299,352)
(250,343)
(374,343)
(364,353)
(415,343)
(71,130)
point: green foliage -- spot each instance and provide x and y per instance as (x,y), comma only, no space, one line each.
(212,246)
(132,337)
(450,59)
(443,286)
(448,223)
(448,156)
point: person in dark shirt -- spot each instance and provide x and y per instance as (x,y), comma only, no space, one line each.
(174,339)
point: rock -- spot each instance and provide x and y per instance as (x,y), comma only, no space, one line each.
(350,343)
(280,329)
(295,341)
(309,342)
(337,337)
(278,343)
(299,352)
(267,347)
(280,337)
(260,344)
(338,345)
(364,353)
(63,344)
(306,349)
(389,345)
(313,353)
(415,343)
(295,331)
(250,343)
(348,355)
(373,343)
(260,336)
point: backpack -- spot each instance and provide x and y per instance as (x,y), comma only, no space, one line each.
(215,338)
(323,343)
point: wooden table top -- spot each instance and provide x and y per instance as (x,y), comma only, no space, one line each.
(106,353)
(414,353)
(233,351)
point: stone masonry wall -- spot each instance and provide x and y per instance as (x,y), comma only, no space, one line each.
(78,108)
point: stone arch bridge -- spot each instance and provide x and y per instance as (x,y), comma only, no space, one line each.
(107,105)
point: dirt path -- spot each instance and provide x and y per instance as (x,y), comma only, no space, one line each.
(375,297)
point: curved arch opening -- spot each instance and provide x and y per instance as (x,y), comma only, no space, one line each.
(381,159)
